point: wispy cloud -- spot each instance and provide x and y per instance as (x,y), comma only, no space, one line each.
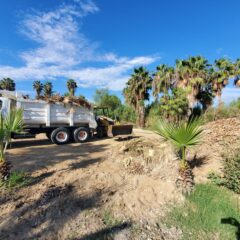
(62,48)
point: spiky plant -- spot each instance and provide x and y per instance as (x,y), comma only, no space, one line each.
(38,86)
(13,122)
(182,135)
(71,85)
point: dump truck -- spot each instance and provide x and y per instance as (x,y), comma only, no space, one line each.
(62,122)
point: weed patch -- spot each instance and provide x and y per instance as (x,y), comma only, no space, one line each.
(16,179)
(205,214)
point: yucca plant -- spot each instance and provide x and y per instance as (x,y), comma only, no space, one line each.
(182,135)
(13,122)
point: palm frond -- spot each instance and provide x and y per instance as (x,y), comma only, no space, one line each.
(182,134)
(14,121)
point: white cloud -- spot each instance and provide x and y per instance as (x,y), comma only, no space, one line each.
(62,48)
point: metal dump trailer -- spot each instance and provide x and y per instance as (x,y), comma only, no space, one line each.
(60,121)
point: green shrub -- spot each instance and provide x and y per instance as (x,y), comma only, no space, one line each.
(109,220)
(231,173)
(203,213)
(222,112)
(16,179)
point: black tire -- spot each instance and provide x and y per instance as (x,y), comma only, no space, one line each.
(60,136)
(81,134)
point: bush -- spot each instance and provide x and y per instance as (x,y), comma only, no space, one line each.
(16,179)
(222,112)
(231,173)
(153,114)
(125,114)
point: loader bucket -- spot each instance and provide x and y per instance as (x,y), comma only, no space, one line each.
(115,130)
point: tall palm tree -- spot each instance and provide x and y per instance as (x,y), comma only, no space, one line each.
(223,70)
(162,80)
(71,85)
(192,74)
(47,89)
(38,86)
(136,92)
(7,84)
(237,73)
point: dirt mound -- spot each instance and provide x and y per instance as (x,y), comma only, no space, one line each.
(150,168)
(220,137)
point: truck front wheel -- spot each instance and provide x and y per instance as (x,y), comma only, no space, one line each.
(60,136)
(81,134)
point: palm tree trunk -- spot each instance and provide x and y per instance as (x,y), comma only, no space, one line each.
(191,102)
(141,116)
(219,96)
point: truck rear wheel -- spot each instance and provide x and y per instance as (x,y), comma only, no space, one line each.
(81,134)
(60,136)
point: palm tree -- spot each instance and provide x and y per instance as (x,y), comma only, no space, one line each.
(136,92)
(47,89)
(71,85)
(223,70)
(192,75)
(237,73)
(7,84)
(38,86)
(162,80)
(12,123)
(182,136)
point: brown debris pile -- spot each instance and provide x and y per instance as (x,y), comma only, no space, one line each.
(220,137)
(222,134)
(147,156)
(78,101)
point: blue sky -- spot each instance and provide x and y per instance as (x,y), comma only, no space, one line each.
(99,42)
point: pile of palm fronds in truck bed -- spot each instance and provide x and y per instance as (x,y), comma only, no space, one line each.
(80,101)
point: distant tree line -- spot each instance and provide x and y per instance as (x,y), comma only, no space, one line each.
(179,90)
(187,88)
(46,89)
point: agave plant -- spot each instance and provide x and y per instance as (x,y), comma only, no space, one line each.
(182,136)
(13,122)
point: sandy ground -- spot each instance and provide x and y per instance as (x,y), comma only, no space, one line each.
(95,190)
(76,186)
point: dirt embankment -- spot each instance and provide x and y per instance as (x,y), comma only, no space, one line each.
(96,189)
